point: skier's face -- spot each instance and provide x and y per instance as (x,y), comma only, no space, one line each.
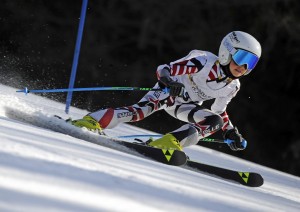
(236,70)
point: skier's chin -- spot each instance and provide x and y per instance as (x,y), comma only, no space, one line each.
(236,73)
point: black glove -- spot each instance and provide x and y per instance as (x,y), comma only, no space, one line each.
(176,88)
(236,141)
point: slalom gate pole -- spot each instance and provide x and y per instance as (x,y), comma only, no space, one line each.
(76,54)
(26,90)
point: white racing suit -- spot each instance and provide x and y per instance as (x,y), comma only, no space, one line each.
(203,79)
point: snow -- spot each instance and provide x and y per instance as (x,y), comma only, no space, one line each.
(44,170)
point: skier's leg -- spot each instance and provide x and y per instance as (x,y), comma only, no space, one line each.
(110,117)
(186,135)
(202,123)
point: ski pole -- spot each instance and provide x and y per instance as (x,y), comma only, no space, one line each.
(226,141)
(26,90)
(140,136)
(158,136)
(214,140)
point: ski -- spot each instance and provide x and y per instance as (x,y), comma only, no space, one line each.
(250,179)
(170,157)
(166,156)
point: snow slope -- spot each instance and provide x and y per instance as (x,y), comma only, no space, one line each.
(45,170)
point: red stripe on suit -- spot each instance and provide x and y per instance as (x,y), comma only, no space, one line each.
(106,118)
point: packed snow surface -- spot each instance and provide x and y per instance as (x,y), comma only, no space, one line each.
(45,170)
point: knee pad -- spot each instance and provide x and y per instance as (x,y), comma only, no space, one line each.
(209,125)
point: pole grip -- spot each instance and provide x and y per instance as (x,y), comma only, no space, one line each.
(244,142)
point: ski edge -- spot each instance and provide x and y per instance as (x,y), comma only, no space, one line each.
(159,155)
(165,156)
(250,179)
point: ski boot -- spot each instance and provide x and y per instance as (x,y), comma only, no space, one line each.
(168,141)
(89,123)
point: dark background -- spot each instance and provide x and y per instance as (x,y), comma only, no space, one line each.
(125,41)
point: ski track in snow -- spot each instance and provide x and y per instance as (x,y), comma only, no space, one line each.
(41,169)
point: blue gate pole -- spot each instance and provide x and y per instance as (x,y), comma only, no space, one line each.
(76,54)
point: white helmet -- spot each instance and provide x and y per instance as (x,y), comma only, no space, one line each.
(242,47)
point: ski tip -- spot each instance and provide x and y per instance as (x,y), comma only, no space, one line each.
(256,180)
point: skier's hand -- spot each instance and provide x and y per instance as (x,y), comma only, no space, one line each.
(234,139)
(175,88)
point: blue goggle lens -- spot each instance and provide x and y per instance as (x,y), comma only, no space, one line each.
(242,57)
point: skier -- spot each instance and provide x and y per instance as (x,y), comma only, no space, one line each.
(198,77)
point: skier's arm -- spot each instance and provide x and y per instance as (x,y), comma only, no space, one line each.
(237,140)
(190,64)
(227,123)
(179,67)
(164,79)
(220,104)
(229,131)
(163,71)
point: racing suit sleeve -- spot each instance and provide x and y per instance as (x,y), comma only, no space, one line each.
(219,106)
(190,64)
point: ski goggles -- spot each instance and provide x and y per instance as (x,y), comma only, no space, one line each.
(242,57)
